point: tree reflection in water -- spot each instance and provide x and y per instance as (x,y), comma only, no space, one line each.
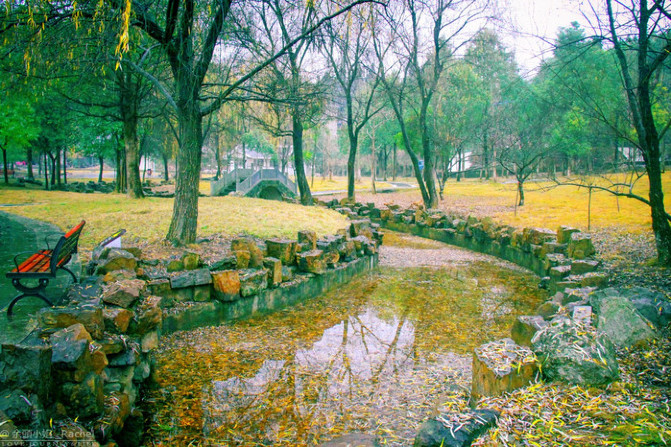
(379,355)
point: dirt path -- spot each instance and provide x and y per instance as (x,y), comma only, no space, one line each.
(403,250)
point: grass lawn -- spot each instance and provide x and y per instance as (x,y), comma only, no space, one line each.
(546,205)
(149,218)
(340,183)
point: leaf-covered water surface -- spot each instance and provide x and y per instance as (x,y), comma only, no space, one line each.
(378,355)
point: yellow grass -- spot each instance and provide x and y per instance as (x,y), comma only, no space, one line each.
(549,207)
(545,206)
(149,218)
(340,184)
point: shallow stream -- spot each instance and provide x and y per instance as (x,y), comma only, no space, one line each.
(378,355)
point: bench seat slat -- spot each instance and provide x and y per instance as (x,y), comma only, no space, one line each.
(28,263)
(35,263)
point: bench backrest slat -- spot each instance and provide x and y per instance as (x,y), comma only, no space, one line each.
(66,247)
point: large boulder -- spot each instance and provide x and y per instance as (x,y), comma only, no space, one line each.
(455,429)
(538,236)
(274,267)
(226,285)
(282,249)
(124,293)
(117,319)
(85,398)
(575,354)
(116,259)
(580,246)
(253,281)
(361,228)
(71,356)
(148,316)
(27,366)
(654,306)
(190,278)
(501,366)
(525,327)
(623,324)
(312,262)
(307,239)
(90,316)
(248,244)
(564,234)
(547,310)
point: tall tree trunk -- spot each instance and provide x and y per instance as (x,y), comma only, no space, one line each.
(299,164)
(660,222)
(486,161)
(460,164)
(120,185)
(184,222)
(431,199)
(393,159)
(57,174)
(640,106)
(4,165)
(29,161)
(65,167)
(351,162)
(128,104)
(494,174)
(217,155)
(46,172)
(520,190)
(132,165)
(101,160)
(53,169)
(372,162)
(166,175)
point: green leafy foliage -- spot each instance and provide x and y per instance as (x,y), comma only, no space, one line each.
(18,125)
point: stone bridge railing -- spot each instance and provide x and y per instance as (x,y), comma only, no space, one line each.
(265,174)
(227,179)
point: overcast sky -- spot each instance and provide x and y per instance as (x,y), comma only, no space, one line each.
(532,18)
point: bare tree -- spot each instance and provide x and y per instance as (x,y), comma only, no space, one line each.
(638,31)
(347,45)
(412,55)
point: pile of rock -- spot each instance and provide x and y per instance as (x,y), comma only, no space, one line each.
(89,359)
(563,258)
(573,337)
(89,187)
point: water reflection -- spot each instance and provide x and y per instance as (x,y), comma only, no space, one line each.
(378,355)
(362,367)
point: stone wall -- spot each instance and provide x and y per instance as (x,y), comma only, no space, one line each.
(80,373)
(562,258)
(573,336)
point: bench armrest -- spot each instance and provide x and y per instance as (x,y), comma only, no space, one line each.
(29,253)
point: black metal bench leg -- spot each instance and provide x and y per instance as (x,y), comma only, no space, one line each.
(28,291)
(74,278)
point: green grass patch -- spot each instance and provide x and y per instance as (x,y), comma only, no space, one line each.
(149,218)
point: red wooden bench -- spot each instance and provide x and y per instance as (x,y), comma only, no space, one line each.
(43,266)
